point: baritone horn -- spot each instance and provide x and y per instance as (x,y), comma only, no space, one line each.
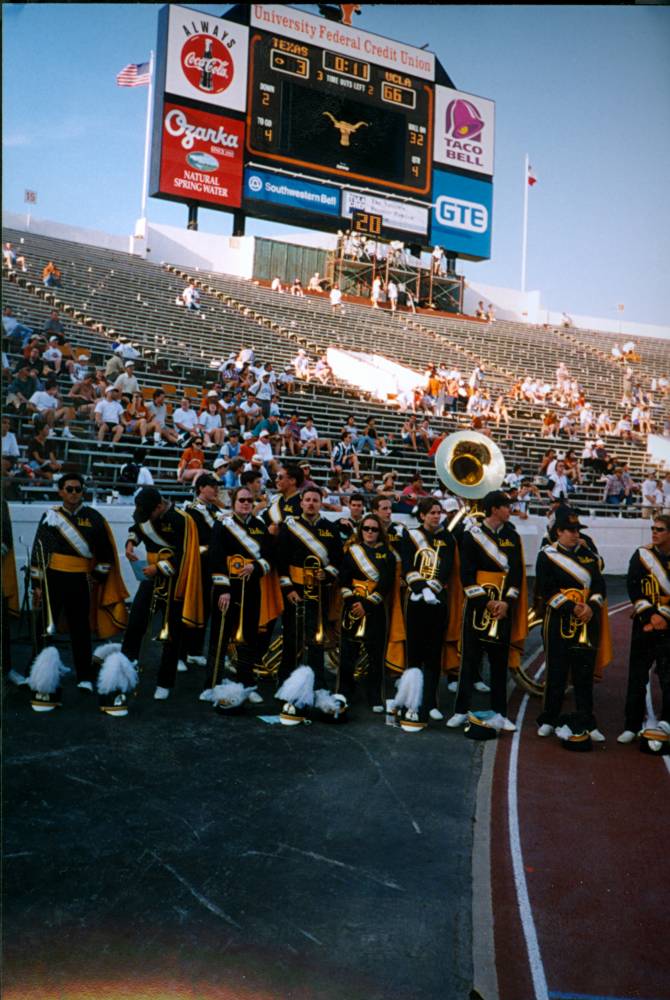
(573,627)
(470,464)
(312,592)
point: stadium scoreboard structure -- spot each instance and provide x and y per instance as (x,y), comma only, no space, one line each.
(273,112)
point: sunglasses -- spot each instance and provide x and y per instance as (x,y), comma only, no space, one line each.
(370,527)
(659,529)
(74,489)
(245,500)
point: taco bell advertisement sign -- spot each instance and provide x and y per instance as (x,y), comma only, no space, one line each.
(206,58)
(464,131)
(201,157)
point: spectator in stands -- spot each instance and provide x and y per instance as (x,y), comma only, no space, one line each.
(249,413)
(525,493)
(343,456)
(114,367)
(437,258)
(392,294)
(409,432)
(314,283)
(624,429)
(21,388)
(13,260)
(286,380)
(559,482)
(107,414)
(549,424)
(346,487)
(426,432)
(231,477)
(273,428)
(10,447)
(336,300)
(209,422)
(263,448)
(247,446)
(652,496)
(47,405)
(297,289)
(616,493)
(500,412)
(158,414)
(480,311)
(572,467)
(546,460)
(136,418)
(307,479)
(231,448)
(388,486)
(276,284)
(368,486)
(604,423)
(126,382)
(192,461)
(323,372)
(291,436)
(13,329)
(191,297)
(371,437)
(51,276)
(515,477)
(666,493)
(332,499)
(263,392)
(376,292)
(41,458)
(310,441)
(53,326)
(301,364)
(185,420)
(412,493)
(490,313)
(82,397)
(568,426)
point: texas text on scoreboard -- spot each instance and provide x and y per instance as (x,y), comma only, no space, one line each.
(294,118)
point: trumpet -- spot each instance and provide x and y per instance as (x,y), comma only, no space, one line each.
(162,594)
(50,627)
(573,626)
(356,623)
(312,592)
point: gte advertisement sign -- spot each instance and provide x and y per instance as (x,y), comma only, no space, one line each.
(206,58)
(464,131)
(201,157)
(462,212)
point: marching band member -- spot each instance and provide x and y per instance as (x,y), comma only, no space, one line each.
(309,553)
(172,581)
(570,583)
(427,563)
(394,531)
(73,547)
(204,510)
(367,575)
(494,616)
(10,595)
(648,584)
(240,568)
(288,481)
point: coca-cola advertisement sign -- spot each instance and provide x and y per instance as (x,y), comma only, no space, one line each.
(206,59)
(201,157)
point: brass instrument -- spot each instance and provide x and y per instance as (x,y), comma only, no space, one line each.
(651,588)
(161,595)
(312,592)
(572,626)
(487,623)
(50,627)
(470,464)
(238,638)
(356,623)
(219,642)
(426,563)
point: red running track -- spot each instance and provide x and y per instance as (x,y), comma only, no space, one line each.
(581,901)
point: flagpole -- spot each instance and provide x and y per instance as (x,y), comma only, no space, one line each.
(147,138)
(524,242)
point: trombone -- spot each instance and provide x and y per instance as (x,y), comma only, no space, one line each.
(162,594)
(50,627)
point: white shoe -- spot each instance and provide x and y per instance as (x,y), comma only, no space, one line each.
(255,698)
(664,726)
(545,730)
(507,725)
(456,720)
(436,714)
(597,736)
(196,661)
(85,685)
(67,433)
(452,686)
(627,736)
(143,440)
(16,678)
(482,686)
(378,709)
(181,667)
(161,694)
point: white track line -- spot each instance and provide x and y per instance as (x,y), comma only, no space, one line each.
(523,900)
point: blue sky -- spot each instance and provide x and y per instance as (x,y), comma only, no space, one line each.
(585,91)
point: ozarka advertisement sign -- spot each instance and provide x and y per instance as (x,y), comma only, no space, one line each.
(201,157)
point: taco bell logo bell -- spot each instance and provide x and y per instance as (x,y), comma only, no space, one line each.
(463,132)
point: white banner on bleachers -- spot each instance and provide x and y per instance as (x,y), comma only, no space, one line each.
(395,214)
(658,450)
(372,373)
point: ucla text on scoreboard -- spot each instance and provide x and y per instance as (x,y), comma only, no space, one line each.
(290,117)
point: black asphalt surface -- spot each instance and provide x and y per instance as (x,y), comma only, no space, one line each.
(178,847)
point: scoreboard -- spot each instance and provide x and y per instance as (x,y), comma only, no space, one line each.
(316,109)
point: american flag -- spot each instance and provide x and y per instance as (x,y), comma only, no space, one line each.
(134,75)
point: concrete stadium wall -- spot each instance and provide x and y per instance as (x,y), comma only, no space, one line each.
(615,537)
(61,231)
(194,250)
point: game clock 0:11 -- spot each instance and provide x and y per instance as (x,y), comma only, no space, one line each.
(366,222)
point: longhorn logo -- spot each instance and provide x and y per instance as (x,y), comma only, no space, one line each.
(344,128)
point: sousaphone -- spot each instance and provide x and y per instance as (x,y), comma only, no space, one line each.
(471,465)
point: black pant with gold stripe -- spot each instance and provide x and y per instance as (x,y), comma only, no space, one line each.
(474,645)
(139,622)
(247,652)
(564,659)
(374,643)
(69,597)
(294,652)
(425,625)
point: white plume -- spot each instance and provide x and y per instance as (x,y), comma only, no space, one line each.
(410,690)
(51,518)
(298,689)
(326,701)
(230,694)
(46,671)
(117,674)
(102,652)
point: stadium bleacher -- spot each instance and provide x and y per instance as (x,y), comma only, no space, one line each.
(106,294)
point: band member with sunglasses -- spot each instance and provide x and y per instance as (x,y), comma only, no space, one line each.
(367,575)
(648,583)
(75,547)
